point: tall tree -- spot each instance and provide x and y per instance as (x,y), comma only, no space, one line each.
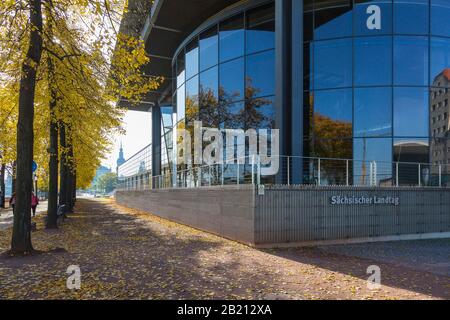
(21,237)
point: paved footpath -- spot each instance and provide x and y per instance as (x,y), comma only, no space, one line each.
(6,215)
(127,254)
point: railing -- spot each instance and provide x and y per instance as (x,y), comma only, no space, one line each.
(139,163)
(298,171)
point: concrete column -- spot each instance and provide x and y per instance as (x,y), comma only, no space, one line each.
(283,79)
(156,140)
(297,133)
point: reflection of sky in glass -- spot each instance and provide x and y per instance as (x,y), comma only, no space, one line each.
(261,73)
(411,112)
(411,17)
(191,63)
(372,149)
(410,60)
(181,109)
(440,13)
(209,81)
(335,104)
(231,39)
(336,27)
(209,49)
(373,61)
(232,80)
(373,112)
(440,57)
(333,64)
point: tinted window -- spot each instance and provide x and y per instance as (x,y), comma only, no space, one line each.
(232,38)
(209,49)
(209,86)
(333,113)
(411,16)
(440,62)
(231,81)
(261,29)
(192,59)
(333,19)
(192,99)
(260,78)
(373,112)
(373,61)
(373,17)
(260,113)
(333,64)
(411,112)
(440,21)
(410,60)
(369,150)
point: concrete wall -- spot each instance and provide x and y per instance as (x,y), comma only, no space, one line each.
(292,216)
(302,215)
(225,211)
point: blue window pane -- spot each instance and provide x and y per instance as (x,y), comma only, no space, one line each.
(367,150)
(261,29)
(333,64)
(260,78)
(411,16)
(333,20)
(373,61)
(410,60)
(440,17)
(231,82)
(373,112)
(333,114)
(209,86)
(411,112)
(192,59)
(260,113)
(307,66)
(373,17)
(231,38)
(209,49)
(440,62)
(192,99)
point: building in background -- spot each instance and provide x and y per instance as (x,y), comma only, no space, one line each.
(340,79)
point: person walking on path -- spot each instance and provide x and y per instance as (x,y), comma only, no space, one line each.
(12,201)
(34,203)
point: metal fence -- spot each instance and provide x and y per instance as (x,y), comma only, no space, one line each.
(313,171)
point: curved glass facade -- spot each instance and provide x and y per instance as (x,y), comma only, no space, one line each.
(225,75)
(377,80)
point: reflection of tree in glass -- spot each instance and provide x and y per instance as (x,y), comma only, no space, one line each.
(330,146)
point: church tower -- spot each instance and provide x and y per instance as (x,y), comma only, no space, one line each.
(121,159)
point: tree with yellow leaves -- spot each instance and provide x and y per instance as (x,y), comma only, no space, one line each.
(74,67)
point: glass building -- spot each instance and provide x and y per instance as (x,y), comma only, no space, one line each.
(342,79)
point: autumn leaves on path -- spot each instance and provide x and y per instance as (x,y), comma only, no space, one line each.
(126,254)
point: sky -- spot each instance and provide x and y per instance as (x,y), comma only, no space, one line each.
(138,135)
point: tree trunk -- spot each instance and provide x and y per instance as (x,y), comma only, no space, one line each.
(13,184)
(2,185)
(52,210)
(21,237)
(69,197)
(63,168)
